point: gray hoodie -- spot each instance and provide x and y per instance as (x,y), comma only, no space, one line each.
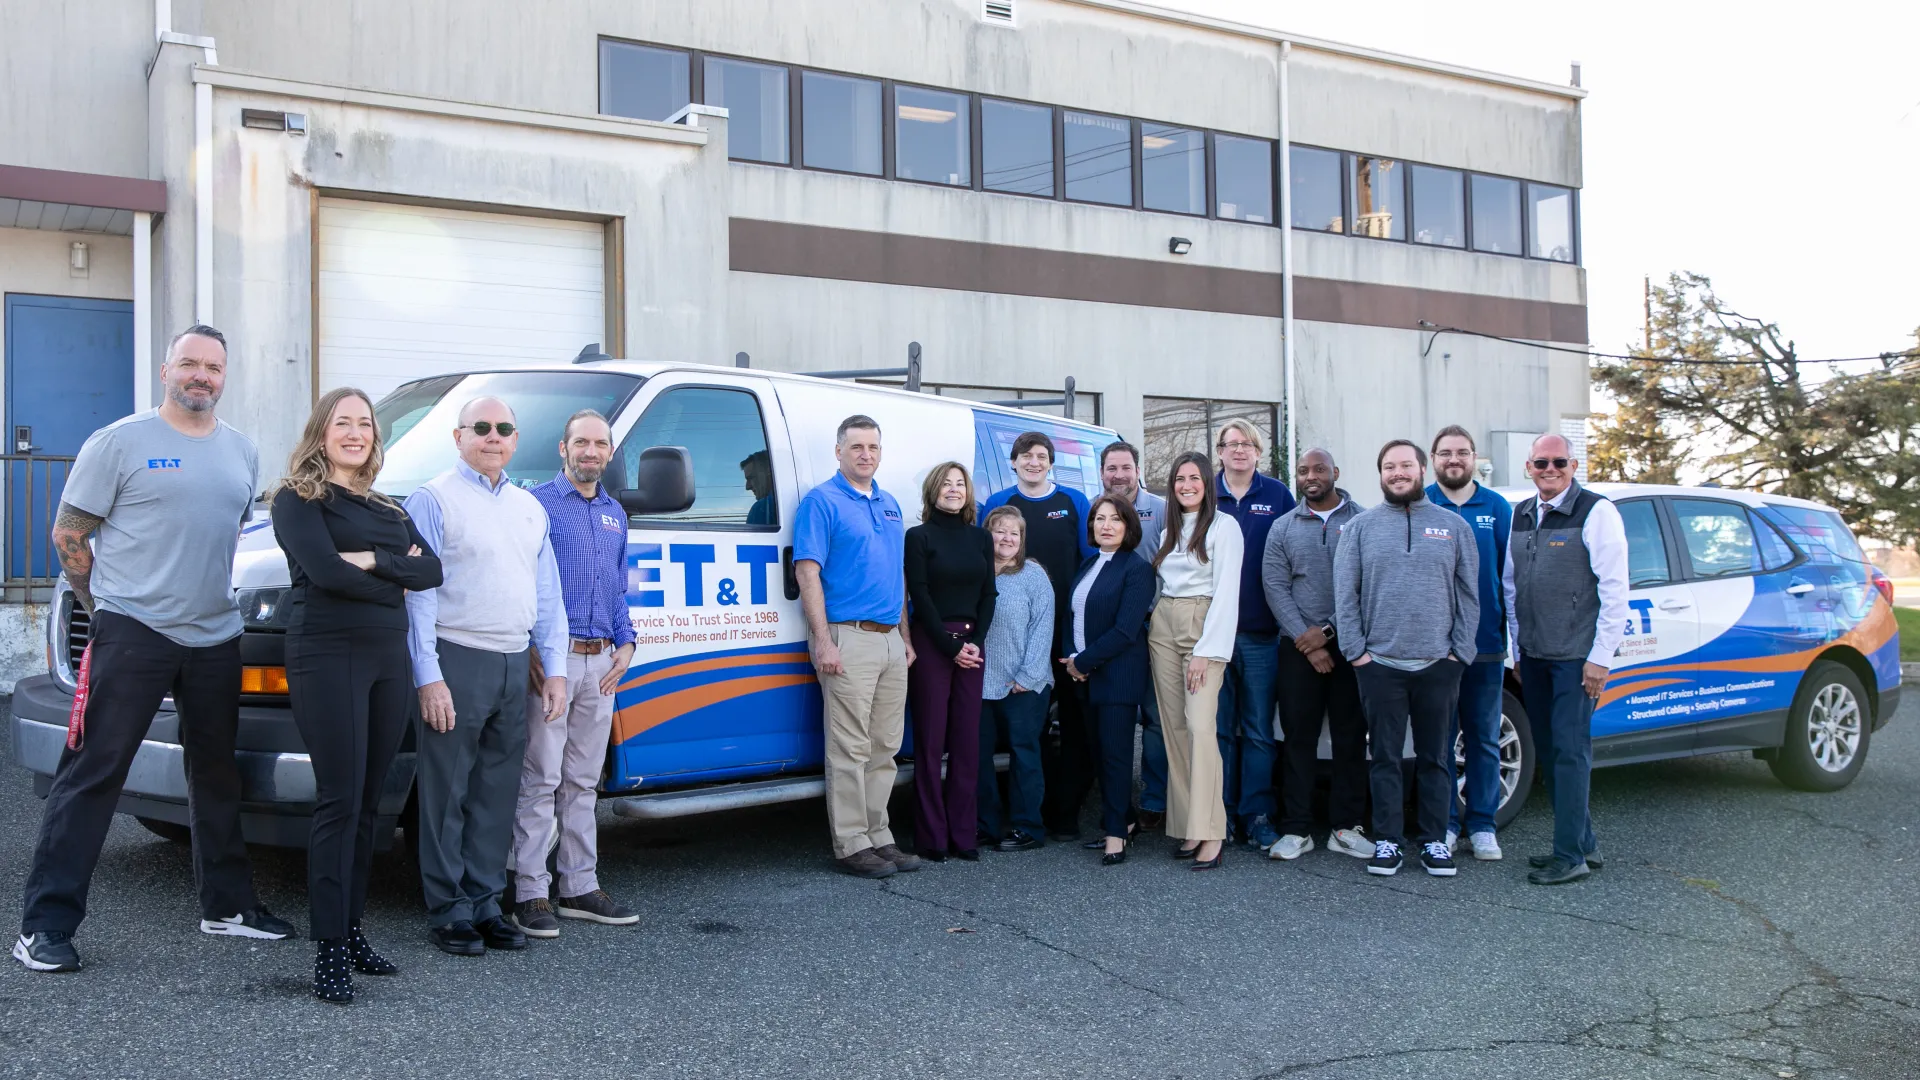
(1406,584)
(1296,570)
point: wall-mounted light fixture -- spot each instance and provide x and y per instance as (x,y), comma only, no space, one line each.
(77,257)
(1179,245)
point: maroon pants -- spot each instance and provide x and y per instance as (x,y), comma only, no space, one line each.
(943,700)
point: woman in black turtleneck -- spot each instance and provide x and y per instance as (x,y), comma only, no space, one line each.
(950,586)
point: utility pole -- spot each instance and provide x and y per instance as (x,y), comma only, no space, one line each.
(1646,299)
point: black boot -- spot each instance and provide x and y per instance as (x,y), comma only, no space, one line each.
(332,981)
(365,960)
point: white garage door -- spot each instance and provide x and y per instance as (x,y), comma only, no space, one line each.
(409,291)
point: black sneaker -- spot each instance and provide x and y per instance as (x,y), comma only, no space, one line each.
(597,906)
(1386,858)
(1438,860)
(1018,840)
(536,919)
(258,923)
(47,951)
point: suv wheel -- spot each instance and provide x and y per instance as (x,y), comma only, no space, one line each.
(1828,729)
(1516,762)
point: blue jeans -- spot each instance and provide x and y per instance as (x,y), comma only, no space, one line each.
(1478,715)
(1246,726)
(1561,716)
(1020,718)
(1153,759)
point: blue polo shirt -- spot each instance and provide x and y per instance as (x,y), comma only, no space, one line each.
(1267,501)
(860,542)
(1491,516)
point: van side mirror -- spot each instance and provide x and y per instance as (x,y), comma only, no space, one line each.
(662,482)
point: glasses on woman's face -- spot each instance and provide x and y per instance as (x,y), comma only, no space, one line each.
(483,428)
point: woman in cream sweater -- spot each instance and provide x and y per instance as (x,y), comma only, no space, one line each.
(1190,641)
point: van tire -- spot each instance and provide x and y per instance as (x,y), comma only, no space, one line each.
(1830,699)
(1513,715)
(167,830)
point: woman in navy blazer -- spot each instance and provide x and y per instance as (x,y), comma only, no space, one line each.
(1104,629)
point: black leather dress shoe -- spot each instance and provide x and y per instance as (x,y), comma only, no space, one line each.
(931,855)
(456,939)
(971,854)
(1541,862)
(498,933)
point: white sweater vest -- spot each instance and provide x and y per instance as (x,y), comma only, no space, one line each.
(489,554)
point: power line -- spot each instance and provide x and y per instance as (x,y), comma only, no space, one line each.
(1906,355)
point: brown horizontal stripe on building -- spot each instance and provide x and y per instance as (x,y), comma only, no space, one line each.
(82,189)
(795,250)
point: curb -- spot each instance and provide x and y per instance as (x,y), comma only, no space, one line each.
(1909,671)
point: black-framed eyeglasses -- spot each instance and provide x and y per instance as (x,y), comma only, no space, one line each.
(1226,446)
(1541,462)
(483,428)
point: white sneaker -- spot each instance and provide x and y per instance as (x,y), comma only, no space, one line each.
(1290,847)
(1352,842)
(1485,847)
(1453,841)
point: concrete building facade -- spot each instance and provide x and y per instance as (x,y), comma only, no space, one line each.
(1032,190)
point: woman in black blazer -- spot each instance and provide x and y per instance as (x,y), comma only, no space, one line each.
(1104,628)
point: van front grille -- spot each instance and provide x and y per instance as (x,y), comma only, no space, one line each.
(77,624)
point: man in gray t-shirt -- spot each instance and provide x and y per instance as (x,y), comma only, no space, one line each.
(164,493)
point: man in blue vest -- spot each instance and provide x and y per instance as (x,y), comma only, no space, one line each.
(1477,716)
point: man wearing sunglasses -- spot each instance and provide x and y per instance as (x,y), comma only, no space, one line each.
(1566,584)
(470,639)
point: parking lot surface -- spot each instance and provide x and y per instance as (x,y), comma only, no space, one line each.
(1739,930)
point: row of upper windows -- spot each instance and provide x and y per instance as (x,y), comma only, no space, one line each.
(956,139)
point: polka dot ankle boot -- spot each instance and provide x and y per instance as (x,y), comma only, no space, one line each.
(365,960)
(332,977)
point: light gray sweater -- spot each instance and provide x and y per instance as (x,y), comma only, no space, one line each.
(1021,633)
(1406,584)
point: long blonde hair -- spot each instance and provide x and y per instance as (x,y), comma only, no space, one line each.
(309,469)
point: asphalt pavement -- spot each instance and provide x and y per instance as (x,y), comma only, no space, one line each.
(1739,930)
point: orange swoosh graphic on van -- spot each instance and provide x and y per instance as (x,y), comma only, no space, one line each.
(1615,693)
(650,714)
(692,667)
(1866,637)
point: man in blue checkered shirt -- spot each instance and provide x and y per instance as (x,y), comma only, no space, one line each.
(588,529)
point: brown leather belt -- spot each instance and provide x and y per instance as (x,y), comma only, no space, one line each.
(872,627)
(591,646)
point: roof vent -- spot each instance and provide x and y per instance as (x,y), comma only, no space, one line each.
(997,11)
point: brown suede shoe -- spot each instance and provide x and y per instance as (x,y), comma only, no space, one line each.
(867,863)
(901,860)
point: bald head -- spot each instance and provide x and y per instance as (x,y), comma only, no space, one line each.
(1316,476)
(1551,464)
(487,451)
(481,407)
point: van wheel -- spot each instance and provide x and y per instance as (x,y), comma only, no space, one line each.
(1827,731)
(167,830)
(1516,763)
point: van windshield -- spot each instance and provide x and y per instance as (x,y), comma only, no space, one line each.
(417,420)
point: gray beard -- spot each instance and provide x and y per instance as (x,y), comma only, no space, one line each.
(178,395)
(582,476)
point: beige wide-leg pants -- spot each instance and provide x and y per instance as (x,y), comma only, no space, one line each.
(1196,810)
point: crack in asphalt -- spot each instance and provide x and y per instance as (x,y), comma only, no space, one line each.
(1027,935)
(1871,841)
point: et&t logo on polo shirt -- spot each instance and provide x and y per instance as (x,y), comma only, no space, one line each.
(1056,515)
(163,463)
(1265,509)
(1434,532)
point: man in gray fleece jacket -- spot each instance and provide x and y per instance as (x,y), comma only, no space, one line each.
(1406,609)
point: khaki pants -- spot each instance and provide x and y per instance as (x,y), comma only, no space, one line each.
(557,782)
(1195,808)
(866,718)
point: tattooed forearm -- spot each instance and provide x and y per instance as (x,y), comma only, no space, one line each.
(71,528)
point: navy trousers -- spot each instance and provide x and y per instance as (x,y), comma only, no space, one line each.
(1561,716)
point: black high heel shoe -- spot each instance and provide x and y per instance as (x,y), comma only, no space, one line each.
(1188,852)
(332,981)
(1115,858)
(365,960)
(1208,864)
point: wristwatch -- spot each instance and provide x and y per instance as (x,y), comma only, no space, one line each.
(1327,629)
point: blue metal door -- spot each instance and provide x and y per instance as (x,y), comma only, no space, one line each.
(69,372)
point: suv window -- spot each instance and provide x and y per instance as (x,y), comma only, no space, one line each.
(1718,537)
(1075,463)
(1646,551)
(1775,552)
(1820,533)
(724,434)
(417,420)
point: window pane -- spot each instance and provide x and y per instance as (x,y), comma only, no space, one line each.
(642,82)
(721,429)
(1316,189)
(1496,215)
(840,123)
(1173,169)
(1243,179)
(1379,198)
(931,136)
(1550,216)
(1718,536)
(1439,207)
(1774,552)
(1820,533)
(755,97)
(1016,147)
(1099,159)
(1173,426)
(1646,553)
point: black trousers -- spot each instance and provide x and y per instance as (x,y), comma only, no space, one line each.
(1111,729)
(135,667)
(1306,697)
(1069,771)
(351,693)
(1426,698)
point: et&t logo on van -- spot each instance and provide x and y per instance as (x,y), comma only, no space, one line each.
(648,590)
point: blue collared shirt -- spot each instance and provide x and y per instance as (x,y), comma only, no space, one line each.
(589,538)
(860,544)
(1266,501)
(423,608)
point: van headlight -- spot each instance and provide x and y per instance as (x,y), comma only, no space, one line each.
(263,609)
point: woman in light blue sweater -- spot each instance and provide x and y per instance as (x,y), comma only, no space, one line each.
(1015,685)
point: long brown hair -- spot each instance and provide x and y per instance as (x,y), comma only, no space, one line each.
(308,467)
(930,492)
(1176,514)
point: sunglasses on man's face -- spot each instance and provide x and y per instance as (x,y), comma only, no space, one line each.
(483,428)
(1541,463)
